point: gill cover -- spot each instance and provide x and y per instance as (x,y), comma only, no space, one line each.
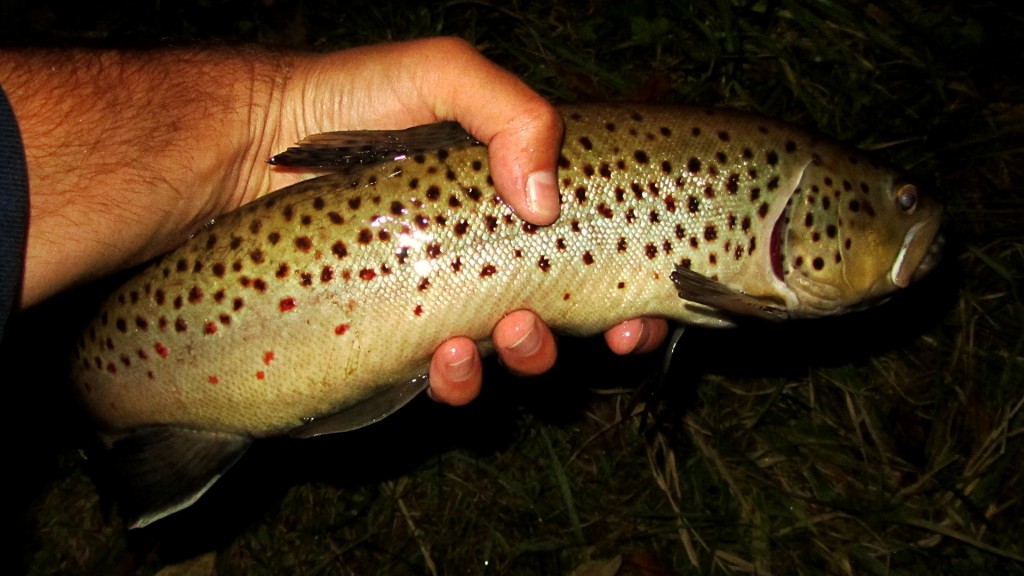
(855,231)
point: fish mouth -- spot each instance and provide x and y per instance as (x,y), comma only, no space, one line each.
(775,248)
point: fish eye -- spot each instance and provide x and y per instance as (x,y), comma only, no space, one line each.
(907,198)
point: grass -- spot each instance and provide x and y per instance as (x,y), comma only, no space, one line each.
(813,449)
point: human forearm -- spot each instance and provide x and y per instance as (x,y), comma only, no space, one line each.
(128,153)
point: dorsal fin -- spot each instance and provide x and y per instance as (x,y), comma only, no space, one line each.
(344,151)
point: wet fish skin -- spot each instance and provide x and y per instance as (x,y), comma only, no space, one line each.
(328,292)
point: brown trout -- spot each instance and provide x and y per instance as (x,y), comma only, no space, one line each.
(316,309)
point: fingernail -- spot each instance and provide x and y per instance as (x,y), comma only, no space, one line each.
(528,343)
(542,194)
(460,370)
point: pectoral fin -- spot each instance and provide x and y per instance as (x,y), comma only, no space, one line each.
(345,151)
(703,290)
(370,410)
(160,470)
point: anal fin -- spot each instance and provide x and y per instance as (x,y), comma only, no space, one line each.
(160,470)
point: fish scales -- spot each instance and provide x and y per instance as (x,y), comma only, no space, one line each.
(323,293)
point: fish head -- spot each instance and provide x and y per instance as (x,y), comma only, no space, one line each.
(852,233)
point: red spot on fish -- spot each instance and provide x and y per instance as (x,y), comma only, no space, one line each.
(210,328)
(367,274)
(340,329)
(287,304)
(213,380)
(260,375)
(268,357)
(418,310)
(161,350)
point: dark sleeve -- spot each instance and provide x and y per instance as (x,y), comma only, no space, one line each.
(13,210)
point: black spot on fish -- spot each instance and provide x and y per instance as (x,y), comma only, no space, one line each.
(818,263)
(282,271)
(854,206)
(651,251)
(641,157)
(723,136)
(255,226)
(762,210)
(665,131)
(790,146)
(588,258)
(586,143)
(710,232)
(303,243)
(339,249)
(693,165)
(693,204)
(273,238)
(621,246)
(318,203)
(654,217)
(721,157)
(488,270)
(256,255)
(772,158)
(732,184)
(581,194)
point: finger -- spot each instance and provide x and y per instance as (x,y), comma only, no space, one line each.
(524,343)
(455,372)
(522,130)
(636,336)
